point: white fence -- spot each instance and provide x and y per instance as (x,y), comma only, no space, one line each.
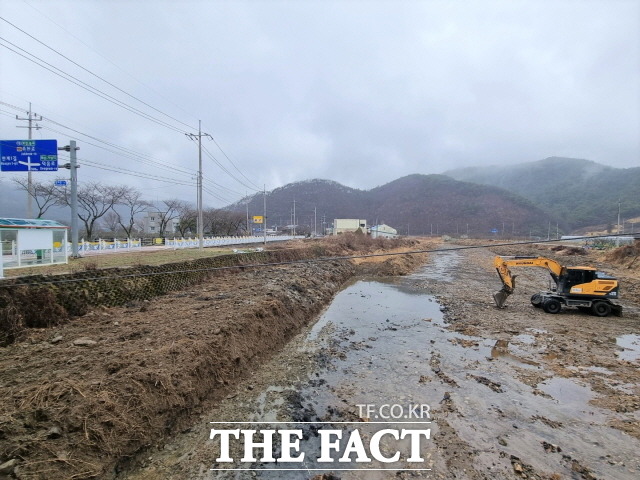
(223,241)
(107,245)
(131,244)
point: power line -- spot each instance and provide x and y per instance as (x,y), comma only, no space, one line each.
(234,165)
(133,156)
(70,78)
(61,27)
(94,74)
(224,169)
(215,195)
(124,152)
(134,173)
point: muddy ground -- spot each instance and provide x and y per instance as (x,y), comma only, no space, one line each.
(513,392)
(79,399)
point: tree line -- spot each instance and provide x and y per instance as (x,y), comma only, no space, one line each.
(118,209)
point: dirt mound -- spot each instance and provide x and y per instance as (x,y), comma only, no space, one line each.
(106,384)
(564,250)
(626,255)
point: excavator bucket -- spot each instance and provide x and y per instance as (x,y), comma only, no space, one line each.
(501,297)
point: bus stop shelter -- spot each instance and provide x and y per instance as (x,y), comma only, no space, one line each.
(32,242)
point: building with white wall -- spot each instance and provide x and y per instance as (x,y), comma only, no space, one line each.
(343,225)
(151,221)
(383,231)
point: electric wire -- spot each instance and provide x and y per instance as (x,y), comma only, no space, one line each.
(106,58)
(215,195)
(124,152)
(303,261)
(143,161)
(94,74)
(234,165)
(134,173)
(126,171)
(70,78)
(224,169)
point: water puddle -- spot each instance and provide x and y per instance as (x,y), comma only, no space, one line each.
(568,394)
(630,345)
(525,339)
(593,369)
(502,349)
(441,267)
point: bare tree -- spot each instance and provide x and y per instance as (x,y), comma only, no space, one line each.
(45,194)
(209,221)
(187,220)
(172,208)
(223,222)
(94,201)
(233,222)
(112,221)
(131,199)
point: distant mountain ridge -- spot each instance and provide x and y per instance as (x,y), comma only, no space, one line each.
(416,204)
(579,192)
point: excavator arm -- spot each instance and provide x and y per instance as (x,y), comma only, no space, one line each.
(502,265)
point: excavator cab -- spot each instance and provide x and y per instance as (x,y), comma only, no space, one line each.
(573,277)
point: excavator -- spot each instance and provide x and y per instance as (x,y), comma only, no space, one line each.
(583,287)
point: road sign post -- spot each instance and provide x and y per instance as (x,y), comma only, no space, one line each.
(73,178)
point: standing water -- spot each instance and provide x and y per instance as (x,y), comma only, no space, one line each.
(382,358)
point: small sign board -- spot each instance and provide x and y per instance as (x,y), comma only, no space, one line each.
(494,230)
(60,183)
(257,219)
(29,155)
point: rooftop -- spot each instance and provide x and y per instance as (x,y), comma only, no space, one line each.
(29,223)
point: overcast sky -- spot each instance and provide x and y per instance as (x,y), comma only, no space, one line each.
(360,92)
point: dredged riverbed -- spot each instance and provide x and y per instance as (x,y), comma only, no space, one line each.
(386,343)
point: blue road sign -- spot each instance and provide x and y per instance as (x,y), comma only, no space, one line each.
(494,230)
(29,155)
(60,183)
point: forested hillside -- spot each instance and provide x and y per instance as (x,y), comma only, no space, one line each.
(415,204)
(580,192)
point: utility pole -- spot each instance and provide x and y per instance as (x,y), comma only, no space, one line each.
(315,222)
(294,217)
(199,182)
(73,169)
(31,117)
(264,214)
(618,232)
(247,196)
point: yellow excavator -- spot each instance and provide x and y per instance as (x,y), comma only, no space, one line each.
(583,287)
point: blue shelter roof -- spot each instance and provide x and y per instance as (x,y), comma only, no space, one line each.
(29,223)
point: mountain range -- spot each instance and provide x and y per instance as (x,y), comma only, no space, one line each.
(415,204)
(563,195)
(581,193)
(558,194)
